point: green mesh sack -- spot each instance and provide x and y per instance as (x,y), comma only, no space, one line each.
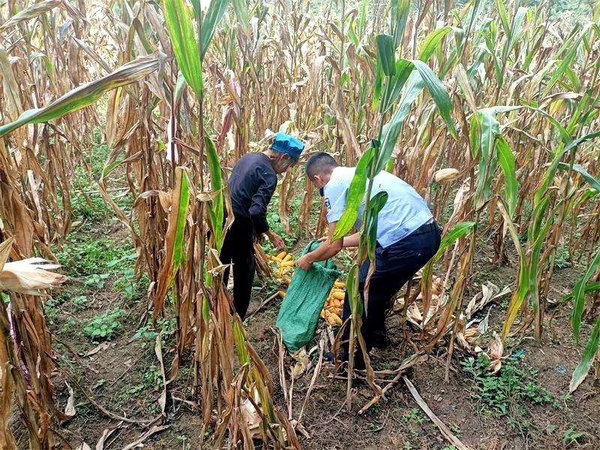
(304,300)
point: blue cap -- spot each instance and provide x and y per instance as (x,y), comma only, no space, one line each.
(284,143)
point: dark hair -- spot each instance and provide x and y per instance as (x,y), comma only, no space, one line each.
(320,163)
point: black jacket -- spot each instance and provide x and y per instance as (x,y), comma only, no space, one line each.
(251,185)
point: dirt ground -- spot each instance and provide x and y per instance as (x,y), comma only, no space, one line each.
(123,376)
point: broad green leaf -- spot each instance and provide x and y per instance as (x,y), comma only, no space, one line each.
(438,93)
(180,23)
(501,7)
(86,94)
(395,84)
(489,128)
(355,195)
(391,130)
(506,160)
(579,294)
(515,32)
(593,182)
(561,69)
(210,22)
(550,172)
(400,10)
(589,353)
(378,84)
(217,210)
(241,11)
(385,54)
(432,42)
(459,230)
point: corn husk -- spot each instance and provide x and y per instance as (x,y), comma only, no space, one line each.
(446,176)
(30,276)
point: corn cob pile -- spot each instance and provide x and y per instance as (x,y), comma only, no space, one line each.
(332,311)
(284,263)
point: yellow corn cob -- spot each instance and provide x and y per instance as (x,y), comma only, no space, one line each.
(332,319)
(281,255)
(287,281)
(288,263)
(281,294)
(338,295)
(288,257)
(339,285)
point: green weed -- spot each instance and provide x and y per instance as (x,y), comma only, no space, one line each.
(105,326)
(501,394)
(572,437)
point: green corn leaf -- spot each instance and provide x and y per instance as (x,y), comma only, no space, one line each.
(356,305)
(400,10)
(385,54)
(506,159)
(561,69)
(459,230)
(241,11)
(589,353)
(438,93)
(579,294)
(180,23)
(501,7)
(378,84)
(376,204)
(432,43)
(391,130)
(355,195)
(217,210)
(515,32)
(86,94)
(550,172)
(215,12)
(593,182)
(489,128)
(589,287)
(396,83)
(183,199)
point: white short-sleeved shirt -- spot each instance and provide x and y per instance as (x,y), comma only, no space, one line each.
(404,211)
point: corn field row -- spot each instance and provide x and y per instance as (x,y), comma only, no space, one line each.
(180,90)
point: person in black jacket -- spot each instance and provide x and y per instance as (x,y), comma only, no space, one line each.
(251,185)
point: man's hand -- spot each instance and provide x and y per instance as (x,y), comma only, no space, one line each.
(276,240)
(305,263)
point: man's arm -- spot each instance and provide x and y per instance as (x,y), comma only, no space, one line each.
(260,201)
(327,250)
(352,240)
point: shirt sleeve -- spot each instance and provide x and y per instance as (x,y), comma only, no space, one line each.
(335,201)
(267,182)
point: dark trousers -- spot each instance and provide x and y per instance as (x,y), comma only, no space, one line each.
(394,266)
(238,249)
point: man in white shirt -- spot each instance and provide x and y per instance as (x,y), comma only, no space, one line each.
(407,237)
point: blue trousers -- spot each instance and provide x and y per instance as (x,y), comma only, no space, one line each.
(394,266)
